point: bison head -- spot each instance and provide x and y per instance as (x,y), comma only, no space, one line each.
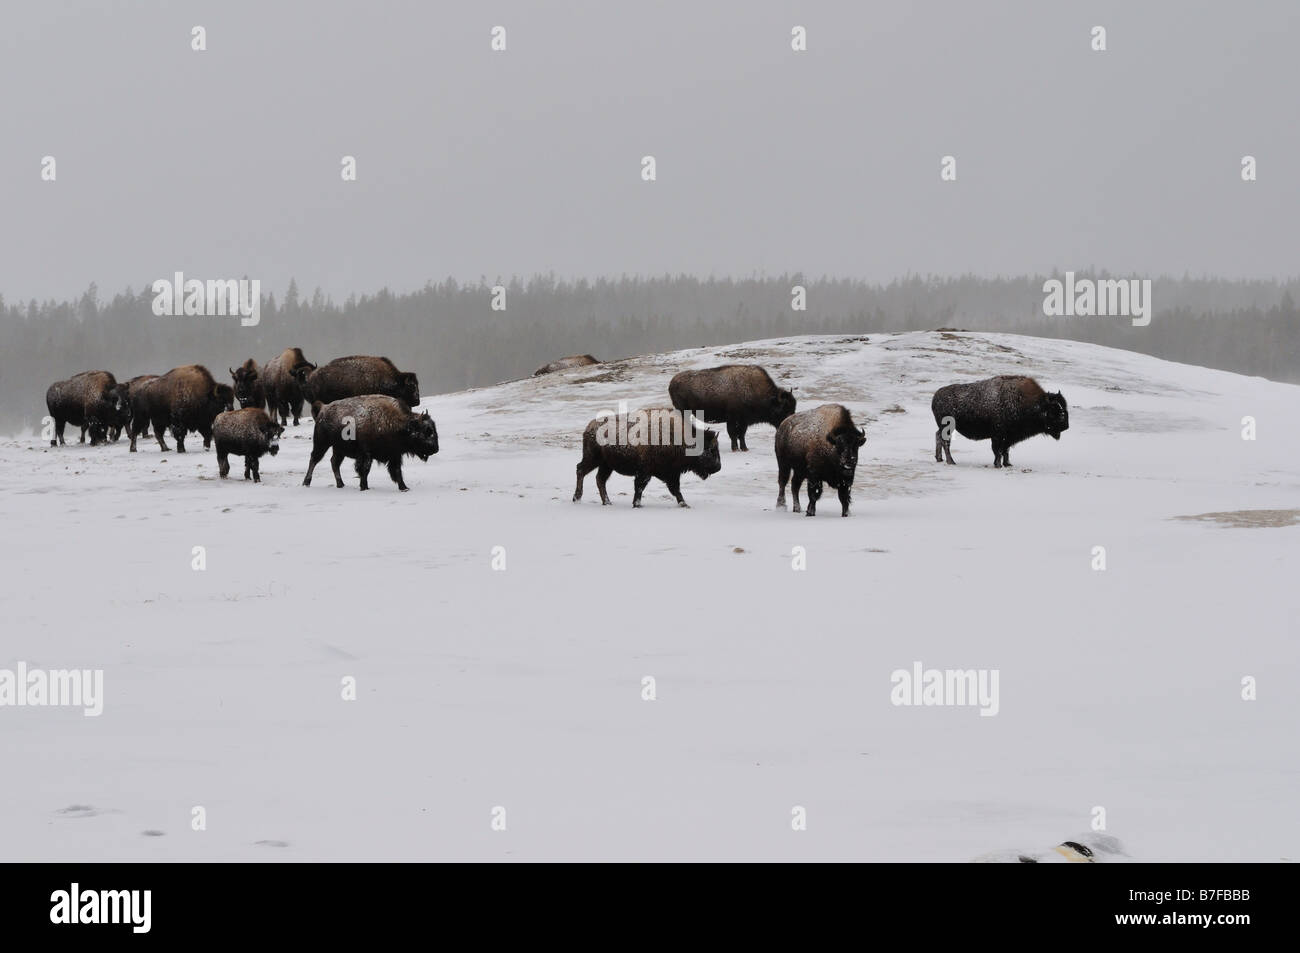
(300,372)
(846,442)
(223,395)
(780,407)
(408,388)
(245,380)
(420,436)
(121,403)
(1054,415)
(272,431)
(709,461)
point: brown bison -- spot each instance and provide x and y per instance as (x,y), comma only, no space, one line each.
(573,360)
(821,446)
(250,390)
(124,415)
(184,399)
(359,375)
(650,443)
(374,427)
(1005,409)
(282,379)
(246,433)
(738,395)
(90,400)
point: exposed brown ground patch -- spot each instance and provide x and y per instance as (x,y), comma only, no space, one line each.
(1248,519)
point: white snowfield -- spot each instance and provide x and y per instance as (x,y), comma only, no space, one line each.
(479,689)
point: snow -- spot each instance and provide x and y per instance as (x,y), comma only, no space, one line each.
(479,688)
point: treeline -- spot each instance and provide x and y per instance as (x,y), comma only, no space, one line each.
(449,334)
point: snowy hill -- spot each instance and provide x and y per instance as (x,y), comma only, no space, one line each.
(479,688)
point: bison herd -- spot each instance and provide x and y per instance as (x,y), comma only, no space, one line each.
(361,409)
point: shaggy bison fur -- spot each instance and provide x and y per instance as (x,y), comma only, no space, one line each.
(184,399)
(738,395)
(90,400)
(821,446)
(1006,410)
(359,375)
(246,433)
(374,427)
(643,445)
(282,379)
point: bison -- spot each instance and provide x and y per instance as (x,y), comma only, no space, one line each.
(247,433)
(125,415)
(645,444)
(1005,409)
(738,395)
(573,360)
(821,446)
(282,379)
(369,428)
(90,400)
(359,375)
(250,390)
(184,399)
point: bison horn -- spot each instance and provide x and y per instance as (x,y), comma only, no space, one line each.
(231,369)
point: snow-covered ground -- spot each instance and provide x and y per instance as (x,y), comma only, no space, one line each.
(479,688)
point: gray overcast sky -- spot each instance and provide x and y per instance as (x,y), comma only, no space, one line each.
(226,162)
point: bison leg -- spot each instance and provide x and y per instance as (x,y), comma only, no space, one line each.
(794,490)
(740,430)
(782,477)
(602,475)
(223,465)
(317,453)
(335,459)
(159,431)
(845,492)
(395,471)
(814,494)
(998,450)
(675,488)
(58,431)
(639,483)
(363,469)
(82,438)
(251,461)
(947,450)
(295,405)
(733,431)
(179,433)
(582,475)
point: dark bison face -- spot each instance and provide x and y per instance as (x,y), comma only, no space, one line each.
(781,407)
(300,372)
(846,443)
(245,380)
(224,397)
(710,461)
(271,431)
(408,387)
(121,411)
(421,436)
(1054,415)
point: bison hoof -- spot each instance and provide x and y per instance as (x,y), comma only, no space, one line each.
(684,504)
(403,489)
